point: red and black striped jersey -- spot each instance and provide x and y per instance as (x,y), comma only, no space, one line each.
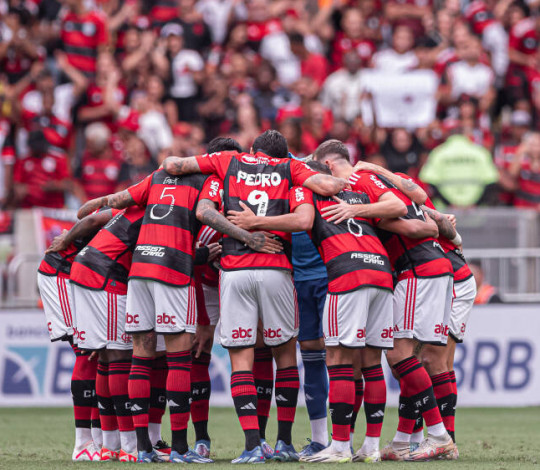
(209,274)
(59,263)
(166,245)
(262,183)
(528,191)
(353,254)
(455,256)
(423,257)
(81,36)
(98,176)
(163,11)
(57,132)
(104,263)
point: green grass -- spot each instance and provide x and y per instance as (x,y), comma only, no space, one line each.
(42,438)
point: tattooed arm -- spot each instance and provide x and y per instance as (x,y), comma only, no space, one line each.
(325,185)
(258,241)
(119,200)
(83,228)
(406,186)
(181,166)
(446,229)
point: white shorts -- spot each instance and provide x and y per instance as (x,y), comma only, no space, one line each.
(422,309)
(464,295)
(359,318)
(101,321)
(211,302)
(57,301)
(246,296)
(160,307)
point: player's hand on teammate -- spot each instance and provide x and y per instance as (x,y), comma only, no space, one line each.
(264,242)
(366,166)
(58,244)
(203,338)
(452,219)
(214,251)
(340,211)
(245,219)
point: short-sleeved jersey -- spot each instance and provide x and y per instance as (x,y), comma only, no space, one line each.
(353,254)
(460,267)
(104,263)
(165,247)
(59,263)
(422,257)
(263,184)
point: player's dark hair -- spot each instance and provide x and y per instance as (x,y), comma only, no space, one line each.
(296,38)
(332,147)
(224,144)
(318,166)
(272,143)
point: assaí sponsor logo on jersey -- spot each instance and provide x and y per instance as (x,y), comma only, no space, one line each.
(259,179)
(149,250)
(368,258)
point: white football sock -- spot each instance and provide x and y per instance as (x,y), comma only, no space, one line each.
(111,440)
(97,436)
(128,441)
(340,446)
(438,430)
(319,431)
(402,437)
(371,444)
(82,437)
(154,431)
(417,437)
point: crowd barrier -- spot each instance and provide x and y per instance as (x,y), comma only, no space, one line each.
(498,365)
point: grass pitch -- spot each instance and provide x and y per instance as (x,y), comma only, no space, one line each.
(42,438)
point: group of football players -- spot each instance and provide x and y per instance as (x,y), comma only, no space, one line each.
(349,261)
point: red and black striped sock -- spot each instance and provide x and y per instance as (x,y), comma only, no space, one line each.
(263,374)
(83,383)
(178,396)
(341,397)
(374,399)
(453,381)
(139,394)
(419,390)
(244,396)
(158,393)
(118,387)
(287,387)
(444,394)
(200,394)
(358,398)
(107,416)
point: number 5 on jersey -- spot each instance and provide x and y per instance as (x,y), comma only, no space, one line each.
(163,196)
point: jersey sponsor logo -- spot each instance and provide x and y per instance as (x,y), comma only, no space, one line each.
(387,333)
(80,335)
(165,319)
(241,333)
(368,258)
(169,180)
(361,333)
(259,179)
(49,326)
(377,182)
(441,329)
(437,245)
(132,319)
(270,333)
(147,250)
(463,327)
(89,29)
(299,194)
(252,160)
(214,188)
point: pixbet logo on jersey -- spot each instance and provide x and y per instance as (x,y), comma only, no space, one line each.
(242,333)
(165,319)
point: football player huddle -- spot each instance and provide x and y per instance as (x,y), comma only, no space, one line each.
(350,262)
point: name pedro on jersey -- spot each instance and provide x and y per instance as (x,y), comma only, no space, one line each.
(258,179)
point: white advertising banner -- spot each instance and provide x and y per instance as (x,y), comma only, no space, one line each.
(406,99)
(498,365)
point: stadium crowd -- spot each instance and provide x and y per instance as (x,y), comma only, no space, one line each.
(94,94)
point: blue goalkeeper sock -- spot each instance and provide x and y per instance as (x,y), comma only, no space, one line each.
(316,392)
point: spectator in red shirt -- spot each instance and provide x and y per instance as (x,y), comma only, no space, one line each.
(42,178)
(98,173)
(311,65)
(83,35)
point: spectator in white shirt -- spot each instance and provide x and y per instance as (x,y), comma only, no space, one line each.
(400,57)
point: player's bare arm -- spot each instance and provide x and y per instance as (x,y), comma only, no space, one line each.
(388,206)
(411,228)
(298,221)
(326,185)
(406,186)
(446,229)
(119,200)
(257,241)
(181,166)
(85,227)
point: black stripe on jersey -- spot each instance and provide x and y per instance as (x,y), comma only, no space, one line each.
(329,229)
(425,252)
(102,265)
(457,259)
(195,181)
(520,194)
(124,229)
(80,50)
(232,247)
(351,261)
(162,214)
(165,256)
